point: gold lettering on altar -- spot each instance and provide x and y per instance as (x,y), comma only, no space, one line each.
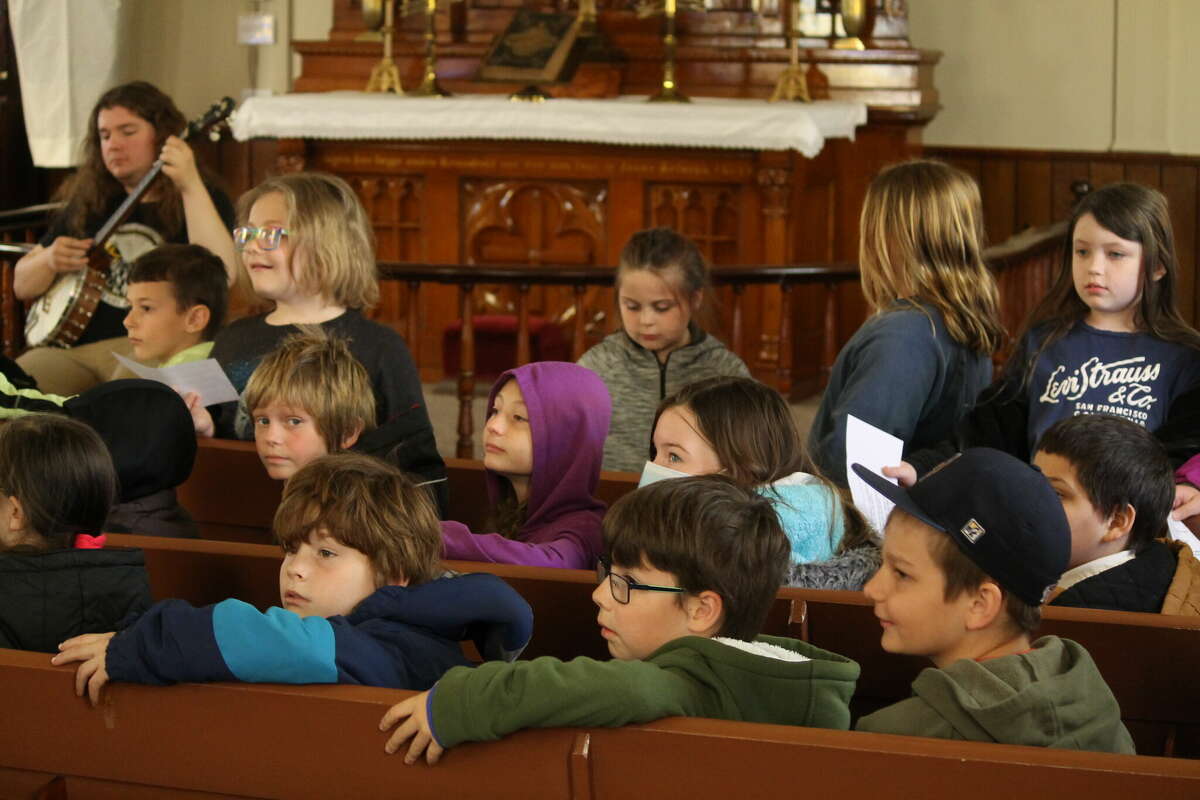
(586,166)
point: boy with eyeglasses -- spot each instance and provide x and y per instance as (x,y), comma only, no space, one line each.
(307,246)
(693,567)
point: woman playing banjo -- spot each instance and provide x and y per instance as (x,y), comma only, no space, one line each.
(130,127)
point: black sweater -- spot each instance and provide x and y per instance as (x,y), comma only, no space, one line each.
(1140,584)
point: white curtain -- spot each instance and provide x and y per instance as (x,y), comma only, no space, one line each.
(67,56)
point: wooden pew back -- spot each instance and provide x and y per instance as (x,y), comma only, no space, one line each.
(232,498)
(323,741)
(1148,660)
(229,493)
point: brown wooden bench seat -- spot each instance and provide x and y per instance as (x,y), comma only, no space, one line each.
(1149,660)
(232,498)
(235,740)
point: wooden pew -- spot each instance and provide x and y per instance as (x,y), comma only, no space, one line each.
(1149,660)
(232,498)
(229,493)
(238,740)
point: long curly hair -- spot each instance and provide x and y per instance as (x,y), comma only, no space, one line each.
(91,189)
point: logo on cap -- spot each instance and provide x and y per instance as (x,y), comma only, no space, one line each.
(972,531)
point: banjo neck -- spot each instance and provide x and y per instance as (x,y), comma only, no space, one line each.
(122,213)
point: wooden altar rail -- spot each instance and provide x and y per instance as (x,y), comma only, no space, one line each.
(524,278)
(239,740)
(1148,660)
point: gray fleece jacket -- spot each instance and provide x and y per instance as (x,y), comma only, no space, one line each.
(637,383)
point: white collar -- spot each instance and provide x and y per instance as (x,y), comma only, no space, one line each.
(1084,571)
(795,479)
(765,649)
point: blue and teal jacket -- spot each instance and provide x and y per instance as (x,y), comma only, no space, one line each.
(399,637)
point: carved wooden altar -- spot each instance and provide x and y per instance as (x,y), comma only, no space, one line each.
(475,202)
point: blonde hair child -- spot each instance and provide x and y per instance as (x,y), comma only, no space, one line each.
(915,367)
(306,242)
(307,398)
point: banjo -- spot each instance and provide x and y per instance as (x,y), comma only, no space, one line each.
(59,317)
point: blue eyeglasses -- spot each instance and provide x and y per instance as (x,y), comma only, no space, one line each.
(621,585)
(267,237)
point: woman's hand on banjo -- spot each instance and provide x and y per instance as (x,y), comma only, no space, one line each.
(67,254)
(179,164)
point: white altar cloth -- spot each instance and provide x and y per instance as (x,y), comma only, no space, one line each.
(740,124)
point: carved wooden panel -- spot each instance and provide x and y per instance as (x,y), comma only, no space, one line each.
(533,221)
(705,213)
(393,204)
(516,221)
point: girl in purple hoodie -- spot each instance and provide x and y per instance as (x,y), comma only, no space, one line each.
(543,444)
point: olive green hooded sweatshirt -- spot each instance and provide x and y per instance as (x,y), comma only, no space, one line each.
(1051,696)
(691,676)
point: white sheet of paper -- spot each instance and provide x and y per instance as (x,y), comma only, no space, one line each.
(1182,533)
(205,378)
(874,449)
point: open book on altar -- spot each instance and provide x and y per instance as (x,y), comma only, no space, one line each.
(533,48)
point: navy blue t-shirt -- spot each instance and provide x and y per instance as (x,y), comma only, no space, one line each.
(1089,371)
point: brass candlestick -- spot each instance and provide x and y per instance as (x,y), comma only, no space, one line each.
(855,18)
(385,77)
(429,86)
(669,91)
(587,18)
(792,84)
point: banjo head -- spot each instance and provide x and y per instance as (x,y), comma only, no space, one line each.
(59,317)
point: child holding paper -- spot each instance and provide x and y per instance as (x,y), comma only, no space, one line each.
(177,297)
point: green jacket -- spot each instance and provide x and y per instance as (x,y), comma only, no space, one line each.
(1052,696)
(691,676)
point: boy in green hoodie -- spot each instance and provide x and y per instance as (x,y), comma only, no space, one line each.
(693,567)
(970,554)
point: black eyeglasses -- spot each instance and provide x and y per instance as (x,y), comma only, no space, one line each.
(620,585)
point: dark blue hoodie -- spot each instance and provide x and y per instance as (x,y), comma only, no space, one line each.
(399,637)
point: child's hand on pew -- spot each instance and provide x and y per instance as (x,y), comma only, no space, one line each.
(92,650)
(201,419)
(415,713)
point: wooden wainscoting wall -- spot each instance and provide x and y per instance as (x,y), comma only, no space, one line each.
(1024,188)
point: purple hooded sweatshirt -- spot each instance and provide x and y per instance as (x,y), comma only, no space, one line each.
(569,411)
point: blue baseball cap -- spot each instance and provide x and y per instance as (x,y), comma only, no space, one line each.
(1000,511)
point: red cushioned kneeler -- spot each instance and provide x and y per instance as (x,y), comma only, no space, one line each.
(496,344)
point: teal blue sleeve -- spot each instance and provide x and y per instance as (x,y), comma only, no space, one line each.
(276,647)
